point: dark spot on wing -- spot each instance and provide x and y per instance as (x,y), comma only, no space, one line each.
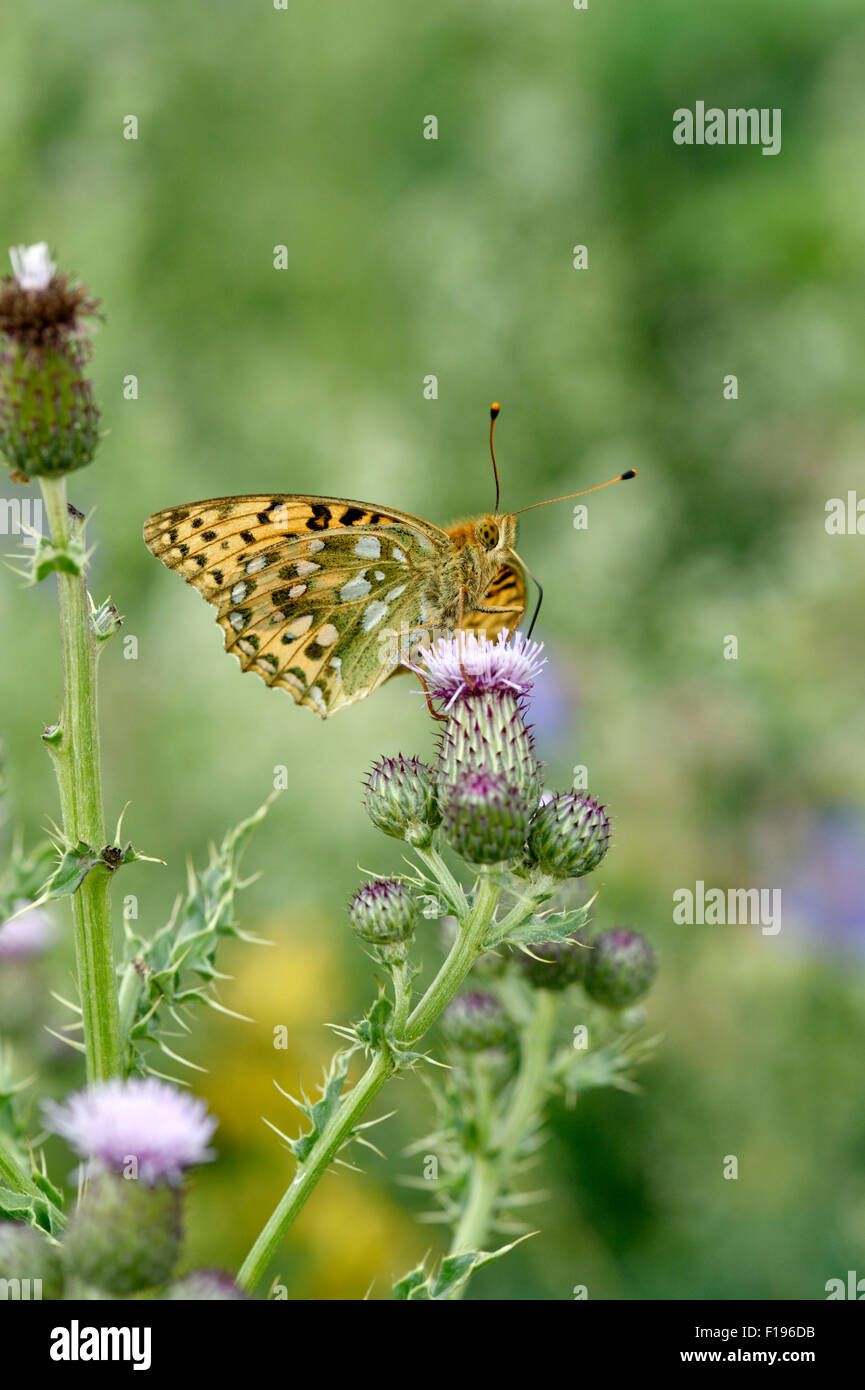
(320,519)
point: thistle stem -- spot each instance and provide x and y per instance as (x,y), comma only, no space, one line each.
(461,958)
(492,1166)
(79,780)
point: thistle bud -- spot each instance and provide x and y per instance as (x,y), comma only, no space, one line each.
(485,819)
(25,1254)
(401,799)
(476,1022)
(569,836)
(49,421)
(621,968)
(555,964)
(125,1235)
(384,914)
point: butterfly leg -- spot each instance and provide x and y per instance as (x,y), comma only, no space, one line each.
(429,704)
(460,616)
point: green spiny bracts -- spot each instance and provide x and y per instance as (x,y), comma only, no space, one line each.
(125,1235)
(485,819)
(384,914)
(621,969)
(401,799)
(569,835)
(27,1255)
(487,730)
(49,421)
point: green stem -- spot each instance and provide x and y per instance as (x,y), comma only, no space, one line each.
(478,1212)
(452,889)
(330,1141)
(79,780)
(491,1168)
(401,998)
(338,1130)
(465,951)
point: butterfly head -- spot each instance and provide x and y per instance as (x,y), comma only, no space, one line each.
(496,534)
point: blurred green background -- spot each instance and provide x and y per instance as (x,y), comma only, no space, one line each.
(409,257)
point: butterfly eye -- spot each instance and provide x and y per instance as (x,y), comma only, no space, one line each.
(488,535)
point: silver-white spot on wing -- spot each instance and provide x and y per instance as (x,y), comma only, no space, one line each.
(358,587)
(368,548)
(373,614)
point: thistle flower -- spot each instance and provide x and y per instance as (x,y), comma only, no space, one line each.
(485,820)
(203,1286)
(384,914)
(555,964)
(49,422)
(401,799)
(463,666)
(475,1022)
(569,836)
(621,969)
(27,936)
(482,686)
(26,1254)
(163,1129)
(32,266)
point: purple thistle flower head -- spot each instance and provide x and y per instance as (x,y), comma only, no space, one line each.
(27,936)
(163,1128)
(510,664)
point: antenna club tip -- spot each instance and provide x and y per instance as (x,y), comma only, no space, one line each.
(631,473)
(494,410)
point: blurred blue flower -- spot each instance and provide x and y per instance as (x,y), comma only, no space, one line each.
(825,896)
(552,710)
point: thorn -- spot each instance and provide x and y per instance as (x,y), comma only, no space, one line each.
(278,1132)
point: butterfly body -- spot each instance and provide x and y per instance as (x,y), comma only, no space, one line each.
(325,597)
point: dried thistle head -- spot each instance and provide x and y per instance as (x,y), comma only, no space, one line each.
(49,421)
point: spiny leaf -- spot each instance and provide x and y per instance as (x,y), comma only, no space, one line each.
(177,966)
(451,1274)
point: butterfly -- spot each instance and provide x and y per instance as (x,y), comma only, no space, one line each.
(326,597)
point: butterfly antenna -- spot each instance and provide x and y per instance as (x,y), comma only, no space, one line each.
(494,415)
(537,583)
(622,478)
